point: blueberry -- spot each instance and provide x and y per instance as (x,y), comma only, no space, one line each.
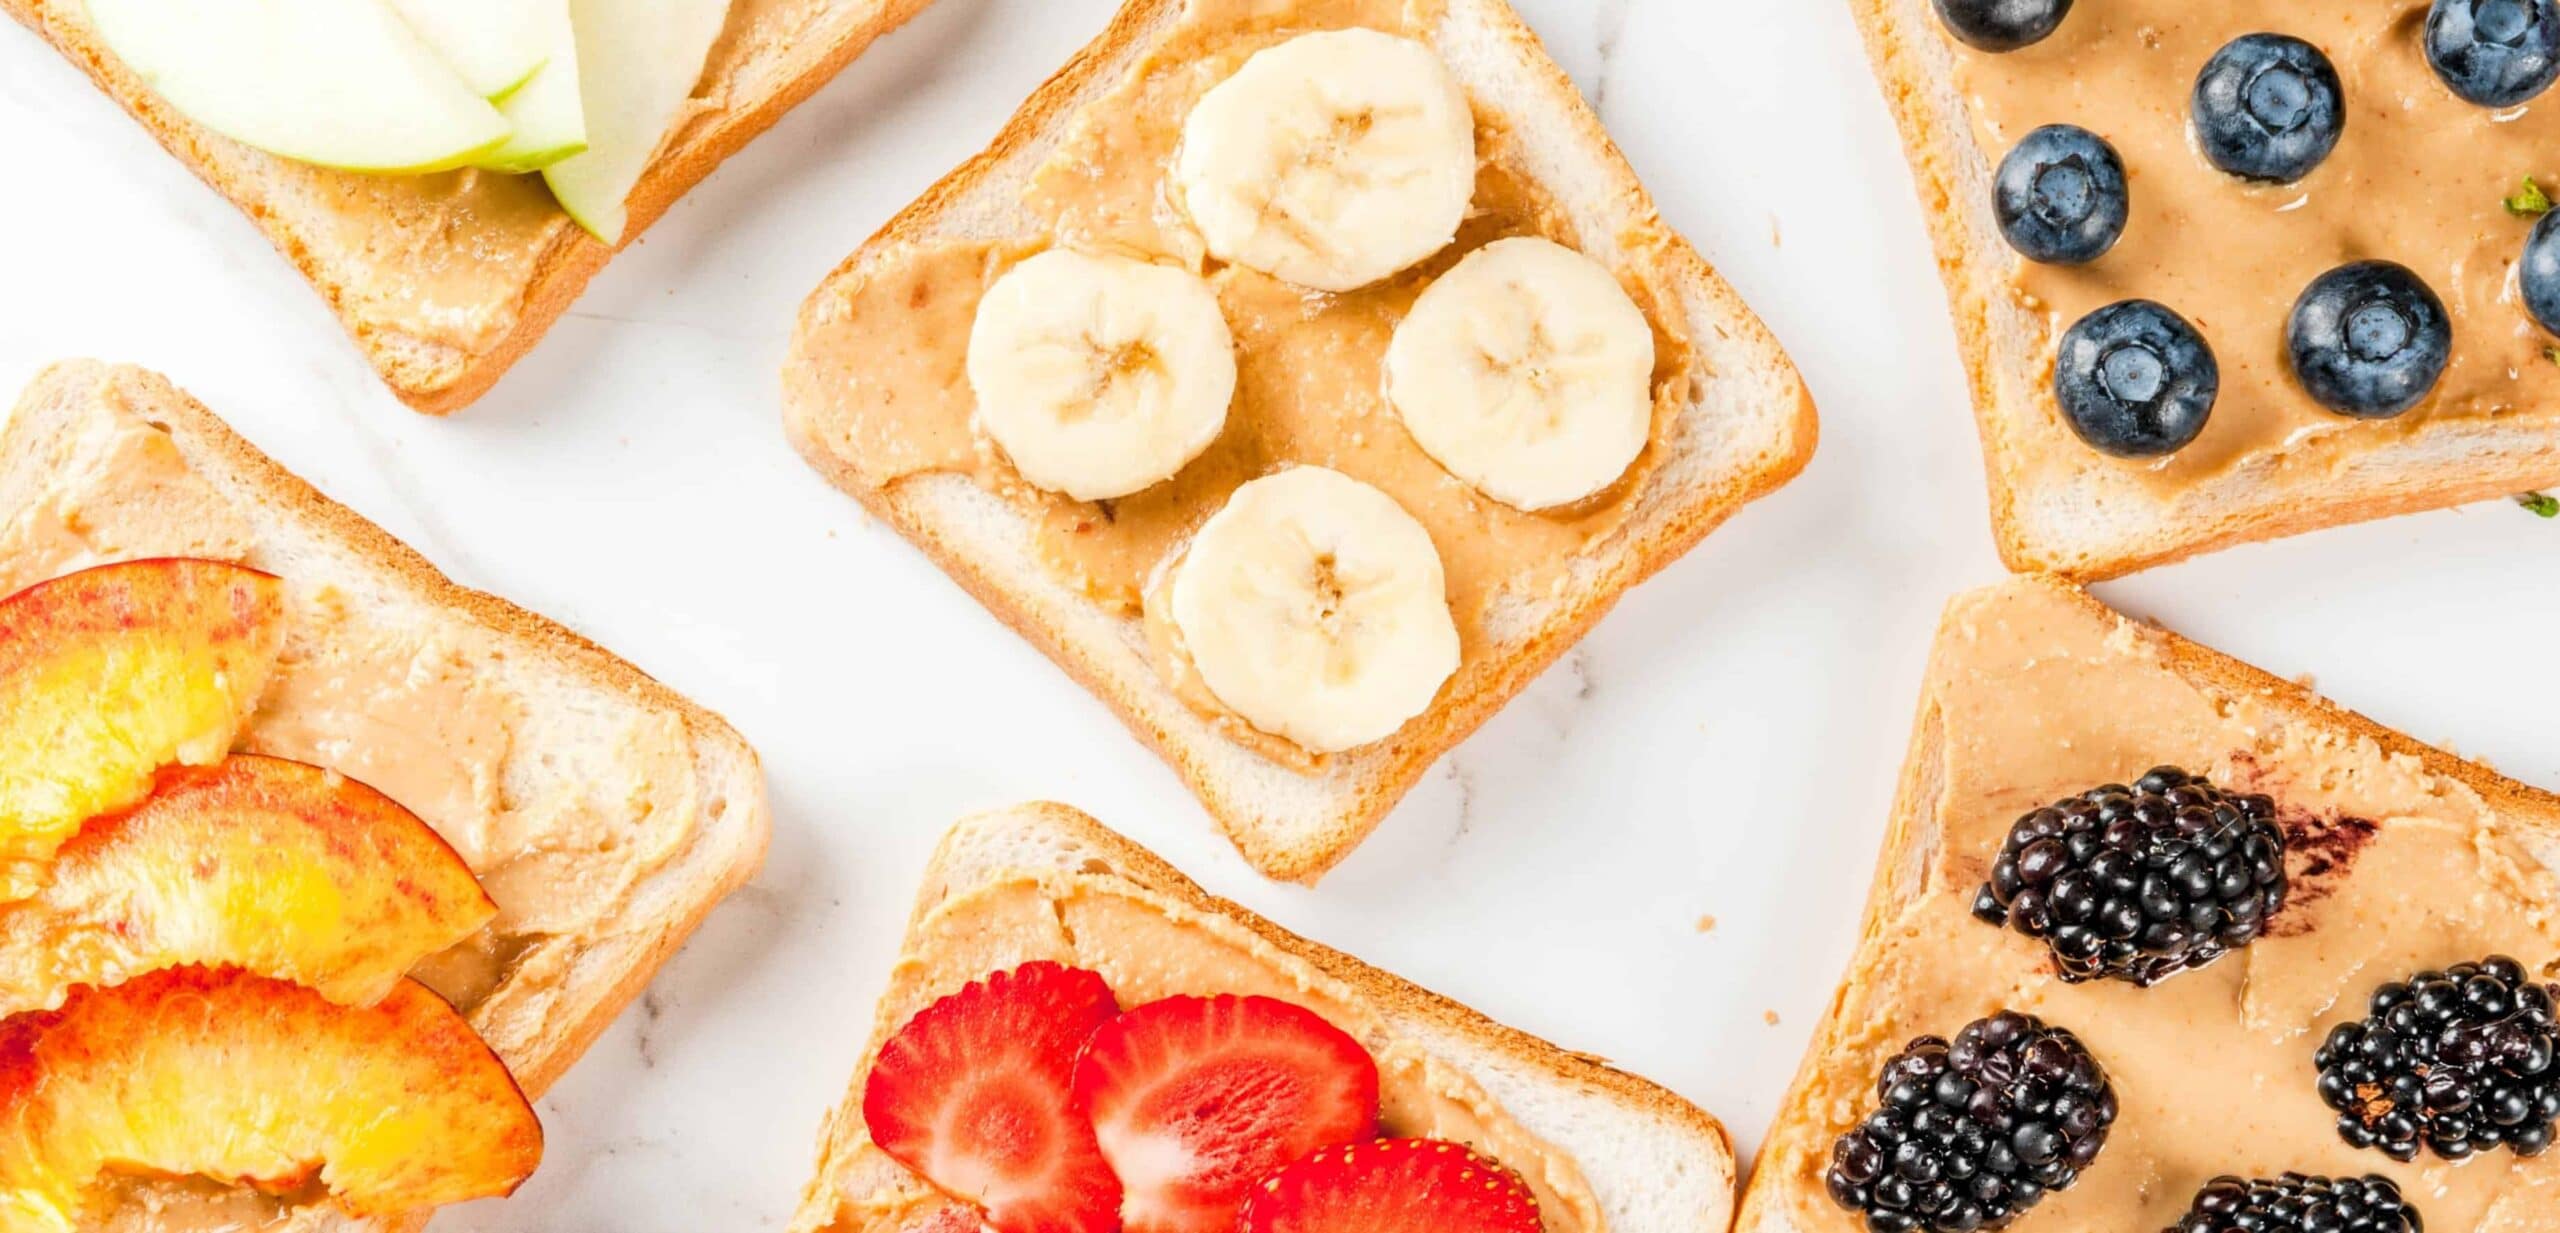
(2496,53)
(2002,25)
(2269,107)
(2060,195)
(2539,273)
(2369,339)
(2135,380)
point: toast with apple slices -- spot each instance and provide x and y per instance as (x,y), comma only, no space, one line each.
(1045,885)
(112,674)
(1745,427)
(415,1111)
(664,804)
(281,869)
(440,343)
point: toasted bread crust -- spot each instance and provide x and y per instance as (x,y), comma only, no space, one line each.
(245,472)
(1128,861)
(1375,777)
(1939,145)
(454,378)
(1901,873)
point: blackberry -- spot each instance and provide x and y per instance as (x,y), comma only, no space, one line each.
(2295,1203)
(2140,883)
(1971,1133)
(2459,1061)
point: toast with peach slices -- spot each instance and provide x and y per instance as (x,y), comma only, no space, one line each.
(276,791)
(1459,560)
(2056,738)
(1190,1066)
(441,330)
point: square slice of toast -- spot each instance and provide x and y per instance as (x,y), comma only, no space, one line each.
(2058,506)
(445,281)
(605,814)
(2400,858)
(1743,426)
(1044,881)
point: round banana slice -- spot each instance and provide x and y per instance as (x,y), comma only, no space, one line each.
(1101,375)
(1331,161)
(1315,607)
(1527,372)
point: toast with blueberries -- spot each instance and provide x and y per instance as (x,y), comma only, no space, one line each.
(1077,1038)
(2159,941)
(1304,441)
(2225,273)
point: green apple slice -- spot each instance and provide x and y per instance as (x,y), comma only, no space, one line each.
(638,61)
(497,45)
(550,119)
(341,83)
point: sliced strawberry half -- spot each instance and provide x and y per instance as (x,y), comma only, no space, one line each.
(1392,1184)
(973,1094)
(1196,1099)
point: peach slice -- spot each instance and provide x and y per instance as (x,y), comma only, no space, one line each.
(279,868)
(242,1080)
(108,675)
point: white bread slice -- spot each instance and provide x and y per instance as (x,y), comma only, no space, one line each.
(773,54)
(576,704)
(1655,1163)
(2071,511)
(1861,1029)
(1749,429)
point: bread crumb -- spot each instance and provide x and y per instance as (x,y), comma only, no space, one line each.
(1706,924)
(1777,239)
(1769,1017)
(2308,681)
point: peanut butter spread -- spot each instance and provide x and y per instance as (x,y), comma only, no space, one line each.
(1147,946)
(2418,178)
(2393,869)
(560,827)
(887,353)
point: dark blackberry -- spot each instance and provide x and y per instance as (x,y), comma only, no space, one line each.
(2459,1061)
(2140,883)
(2296,1203)
(1972,1133)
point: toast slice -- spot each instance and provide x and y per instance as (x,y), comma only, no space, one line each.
(2400,858)
(1043,881)
(1745,427)
(2060,507)
(446,281)
(605,814)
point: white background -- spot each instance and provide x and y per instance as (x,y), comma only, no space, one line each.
(1724,745)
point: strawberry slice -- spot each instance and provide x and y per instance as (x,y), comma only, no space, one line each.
(1196,1099)
(1392,1184)
(973,1095)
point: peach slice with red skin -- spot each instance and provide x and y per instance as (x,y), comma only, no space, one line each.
(278,868)
(242,1080)
(112,673)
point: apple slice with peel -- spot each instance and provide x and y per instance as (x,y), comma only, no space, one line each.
(218,1074)
(340,83)
(110,674)
(638,61)
(495,45)
(274,867)
(549,115)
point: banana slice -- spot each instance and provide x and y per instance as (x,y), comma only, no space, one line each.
(1331,161)
(1315,607)
(1527,372)
(1100,376)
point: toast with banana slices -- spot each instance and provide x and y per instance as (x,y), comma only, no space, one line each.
(395,763)
(1303,378)
(1041,918)
(2147,917)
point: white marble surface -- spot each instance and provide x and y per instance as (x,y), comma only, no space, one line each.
(1724,745)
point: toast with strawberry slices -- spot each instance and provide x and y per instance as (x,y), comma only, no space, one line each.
(1188,1067)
